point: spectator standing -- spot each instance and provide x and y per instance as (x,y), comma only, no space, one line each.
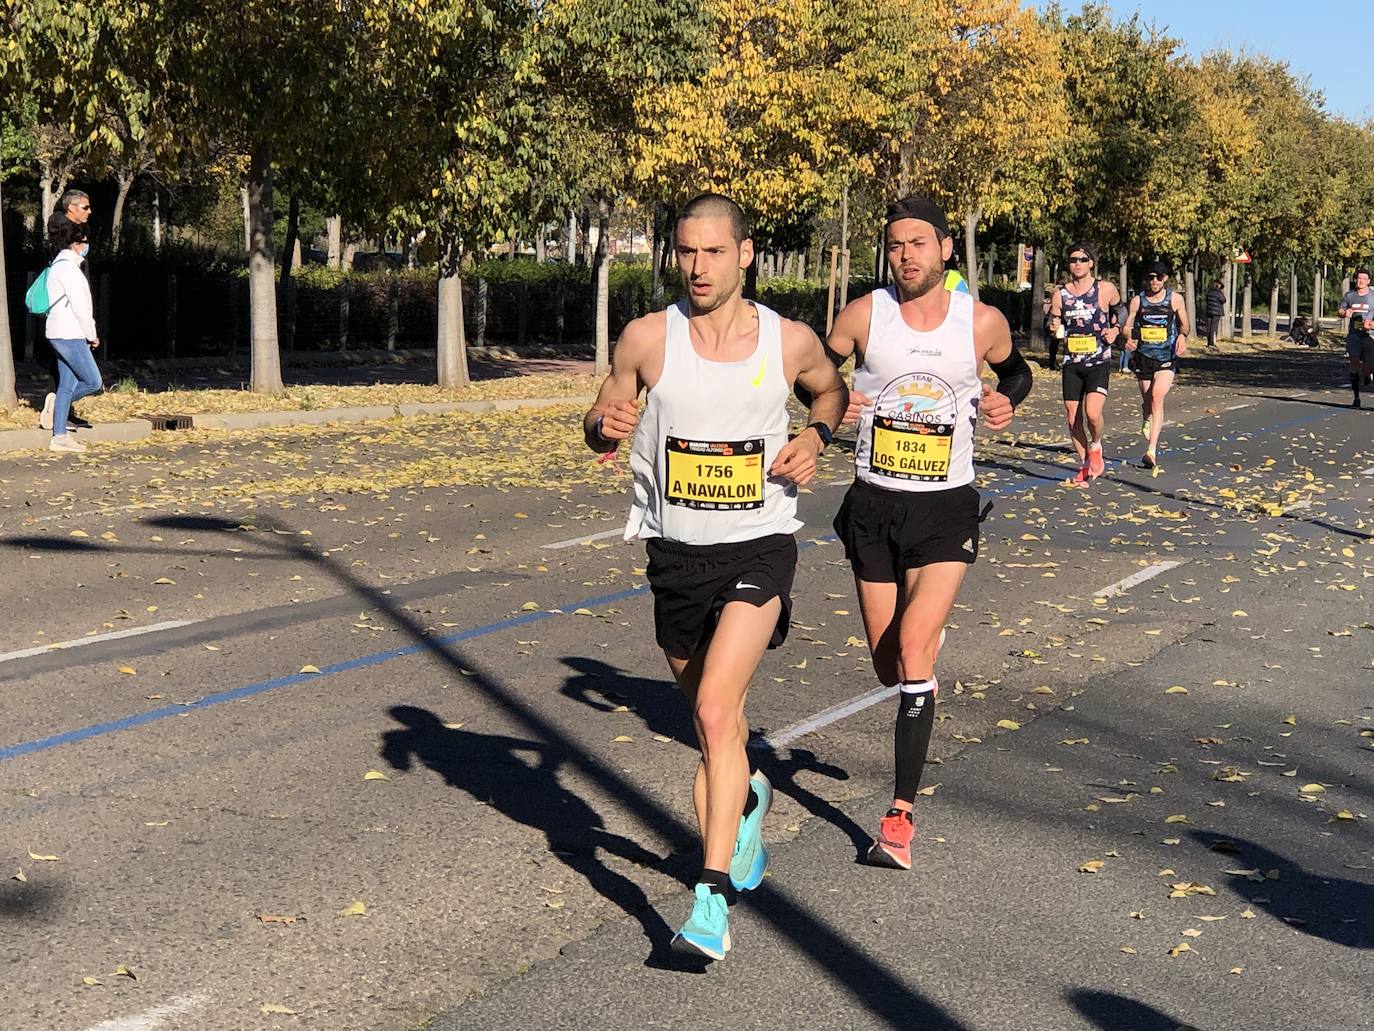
(71,333)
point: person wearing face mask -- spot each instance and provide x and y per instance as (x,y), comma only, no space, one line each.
(70,331)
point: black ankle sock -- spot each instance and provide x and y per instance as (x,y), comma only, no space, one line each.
(719,883)
(751,801)
(911,738)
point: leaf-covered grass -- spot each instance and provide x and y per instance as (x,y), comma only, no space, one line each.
(126,403)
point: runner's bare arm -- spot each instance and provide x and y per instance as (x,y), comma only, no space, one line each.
(992,343)
(837,356)
(849,336)
(1132,310)
(1110,296)
(612,418)
(815,372)
(1184,327)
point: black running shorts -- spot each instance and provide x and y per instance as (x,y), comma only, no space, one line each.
(693,582)
(887,532)
(1145,367)
(1081,379)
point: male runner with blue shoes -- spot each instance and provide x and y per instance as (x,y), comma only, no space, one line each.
(715,499)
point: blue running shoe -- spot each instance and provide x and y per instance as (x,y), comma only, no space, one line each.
(751,854)
(707,930)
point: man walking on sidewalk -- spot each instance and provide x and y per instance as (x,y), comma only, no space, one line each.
(909,523)
(715,499)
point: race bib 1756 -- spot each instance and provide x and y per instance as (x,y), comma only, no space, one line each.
(714,475)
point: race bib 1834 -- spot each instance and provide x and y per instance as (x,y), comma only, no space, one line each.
(714,475)
(911,450)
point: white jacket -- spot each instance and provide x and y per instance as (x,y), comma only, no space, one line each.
(70,317)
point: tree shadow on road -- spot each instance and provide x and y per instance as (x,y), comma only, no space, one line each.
(878,989)
(494,770)
(663,711)
(1335,909)
(1112,1012)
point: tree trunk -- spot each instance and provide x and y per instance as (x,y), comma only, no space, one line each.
(333,229)
(1037,326)
(844,247)
(971,218)
(584,221)
(293,227)
(1124,283)
(1190,298)
(47,202)
(266,360)
(656,256)
(125,182)
(1246,330)
(1292,294)
(1273,329)
(1345,289)
(247,223)
(602,278)
(157,219)
(350,250)
(8,398)
(541,254)
(1316,299)
(452,342)
(1229,321)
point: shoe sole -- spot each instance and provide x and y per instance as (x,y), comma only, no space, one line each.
(880,856)
(683,945)
(754,877)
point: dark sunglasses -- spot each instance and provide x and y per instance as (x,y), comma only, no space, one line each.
(1155,275)
(1079,261)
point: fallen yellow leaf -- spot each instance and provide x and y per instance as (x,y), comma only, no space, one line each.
(375,775)
(310,669)
(1008,725)
(42,859)
(354,908)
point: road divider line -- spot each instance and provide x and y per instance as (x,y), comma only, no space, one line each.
(152,1019)
(574,541)
(80,642)
(1148,573)
(824,718)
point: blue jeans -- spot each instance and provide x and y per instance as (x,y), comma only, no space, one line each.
(77,377)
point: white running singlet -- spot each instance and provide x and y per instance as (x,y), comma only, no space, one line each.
(704,443)
(918,433)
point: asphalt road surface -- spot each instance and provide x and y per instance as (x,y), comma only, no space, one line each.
(365,728)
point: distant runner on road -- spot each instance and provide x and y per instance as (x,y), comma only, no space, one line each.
(1157,336)
(1085,308)
(1358,306)
(715,500)
(909,523)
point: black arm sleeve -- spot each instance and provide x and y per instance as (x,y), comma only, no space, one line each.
(1013,376)
(800,392)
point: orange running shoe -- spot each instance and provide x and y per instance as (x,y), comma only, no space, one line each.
(892,846)
(1096,465)
(1079,479)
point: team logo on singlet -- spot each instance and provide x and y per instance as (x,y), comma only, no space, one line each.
(913,428)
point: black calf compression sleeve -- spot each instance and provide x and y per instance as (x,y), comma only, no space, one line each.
(911,740)
(1013,376)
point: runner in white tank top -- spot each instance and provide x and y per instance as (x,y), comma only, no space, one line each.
(909,523)
(715,498)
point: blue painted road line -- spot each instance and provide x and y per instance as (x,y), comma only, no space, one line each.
(524,619)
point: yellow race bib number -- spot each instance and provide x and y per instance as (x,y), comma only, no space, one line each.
(1082,344)
(1154,334)
(911,450)
(714,475)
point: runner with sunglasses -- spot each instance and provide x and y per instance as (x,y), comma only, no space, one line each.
(1157,336)
(1086,308)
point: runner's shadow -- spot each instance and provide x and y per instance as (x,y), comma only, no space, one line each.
(1112,1012)
(519,779)
(1335,909)
(662,710)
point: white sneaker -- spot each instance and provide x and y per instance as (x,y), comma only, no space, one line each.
(45,416)
(66,443)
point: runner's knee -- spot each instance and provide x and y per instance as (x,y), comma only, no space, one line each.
(719,723)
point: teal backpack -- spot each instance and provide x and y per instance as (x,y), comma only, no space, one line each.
(36,299)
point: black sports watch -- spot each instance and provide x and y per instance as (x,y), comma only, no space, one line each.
(823,431)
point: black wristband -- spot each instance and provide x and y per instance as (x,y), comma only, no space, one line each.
(823,431)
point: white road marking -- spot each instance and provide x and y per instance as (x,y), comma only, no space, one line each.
(1369,471)
(1298,506)
(90,513)
(150,1020)
(113,635)
(573,541)
(1148,573)
(1236,408)
(824,718)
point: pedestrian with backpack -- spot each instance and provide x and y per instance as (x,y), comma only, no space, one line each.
(66,300)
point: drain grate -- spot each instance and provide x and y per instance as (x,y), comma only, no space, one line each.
(170,422)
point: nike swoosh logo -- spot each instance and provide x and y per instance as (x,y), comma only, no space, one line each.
(763,367)
(742,586)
